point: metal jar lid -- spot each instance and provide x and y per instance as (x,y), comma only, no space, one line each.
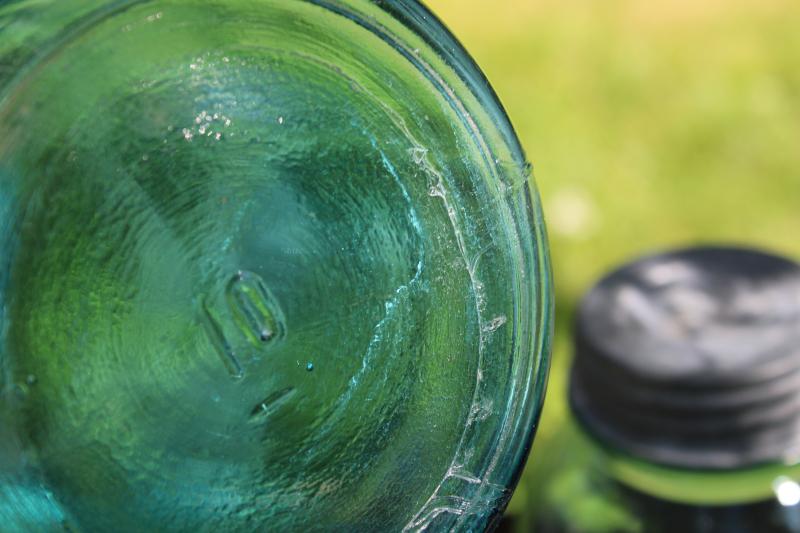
(692,359)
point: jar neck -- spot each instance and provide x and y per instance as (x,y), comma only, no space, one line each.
(695,486)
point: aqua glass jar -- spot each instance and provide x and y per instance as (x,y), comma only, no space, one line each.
(266,265)
(685,400)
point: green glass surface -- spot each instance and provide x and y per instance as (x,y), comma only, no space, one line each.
(266,265)
(595,488)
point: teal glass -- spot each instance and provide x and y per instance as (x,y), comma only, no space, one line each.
(267,265)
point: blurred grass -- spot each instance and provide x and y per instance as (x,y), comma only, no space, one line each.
(650,125)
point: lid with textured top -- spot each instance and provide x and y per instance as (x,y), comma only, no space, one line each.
(692,358)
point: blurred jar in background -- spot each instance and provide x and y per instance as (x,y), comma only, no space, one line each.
(685,397)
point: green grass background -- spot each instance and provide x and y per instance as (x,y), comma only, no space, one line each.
(650,125)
